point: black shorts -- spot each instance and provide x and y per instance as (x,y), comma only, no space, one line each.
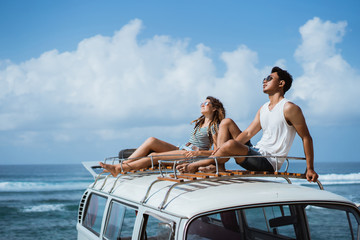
(256,163)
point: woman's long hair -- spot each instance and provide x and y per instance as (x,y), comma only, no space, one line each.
(219,115)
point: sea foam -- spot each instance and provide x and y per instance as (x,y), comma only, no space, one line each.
(18,186)
(44,208)
(333,179)
(41,186)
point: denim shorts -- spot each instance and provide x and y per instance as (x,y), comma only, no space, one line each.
(256,163)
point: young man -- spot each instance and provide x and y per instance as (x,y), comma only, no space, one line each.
(279,119)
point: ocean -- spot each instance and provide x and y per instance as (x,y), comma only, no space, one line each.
(41,201)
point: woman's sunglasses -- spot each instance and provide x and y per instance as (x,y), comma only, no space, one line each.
(204,104)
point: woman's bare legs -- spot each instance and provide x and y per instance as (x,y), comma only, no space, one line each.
(144,162)
(154,158)
(151,145)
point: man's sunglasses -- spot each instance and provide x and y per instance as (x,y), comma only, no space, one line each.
(268,79)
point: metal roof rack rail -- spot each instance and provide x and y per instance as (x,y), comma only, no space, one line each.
(186,178)
(116,160)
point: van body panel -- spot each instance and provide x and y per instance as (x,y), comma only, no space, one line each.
(167,210)
(190,199)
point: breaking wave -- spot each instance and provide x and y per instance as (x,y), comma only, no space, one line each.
(334,179)
(18,186)
(41,186)
(44,208)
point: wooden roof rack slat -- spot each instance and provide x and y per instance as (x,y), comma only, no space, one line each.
(184,176)
(178,180)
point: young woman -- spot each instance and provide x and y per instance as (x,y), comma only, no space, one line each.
(203,136)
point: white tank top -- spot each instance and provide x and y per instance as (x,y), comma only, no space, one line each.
(278,135)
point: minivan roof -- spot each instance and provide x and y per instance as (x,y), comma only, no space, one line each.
(192,198)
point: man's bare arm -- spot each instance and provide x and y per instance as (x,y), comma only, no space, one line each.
(251,130)
(295,117)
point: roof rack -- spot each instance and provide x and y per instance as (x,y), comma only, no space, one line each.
(186,178)
(167,172)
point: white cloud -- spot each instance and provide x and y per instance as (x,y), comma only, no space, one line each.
(161,132)
(107,78)
(329,86)
(119,87)
(241,85)
(119,83)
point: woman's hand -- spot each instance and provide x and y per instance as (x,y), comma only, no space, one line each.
(192,154)
(216,149)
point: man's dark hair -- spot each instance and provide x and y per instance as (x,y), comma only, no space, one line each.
(283,75)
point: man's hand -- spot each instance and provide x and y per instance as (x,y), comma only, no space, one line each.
(311,175)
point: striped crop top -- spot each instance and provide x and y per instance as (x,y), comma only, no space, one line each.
(201,139)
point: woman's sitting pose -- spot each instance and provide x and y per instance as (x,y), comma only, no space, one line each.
(203,136)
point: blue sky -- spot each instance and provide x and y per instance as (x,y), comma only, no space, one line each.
(80,80)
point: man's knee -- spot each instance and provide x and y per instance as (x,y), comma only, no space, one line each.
(227,122)
(152,140)
(229,145)
(234,147)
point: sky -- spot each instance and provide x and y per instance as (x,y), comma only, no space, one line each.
(81,80)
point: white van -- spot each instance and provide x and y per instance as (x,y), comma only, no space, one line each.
(150,204)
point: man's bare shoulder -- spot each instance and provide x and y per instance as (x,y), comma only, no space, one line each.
(292,113)
(291,107)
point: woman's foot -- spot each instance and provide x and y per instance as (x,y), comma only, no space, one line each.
(208,169)
(211,169)
(109,168)
(187,168)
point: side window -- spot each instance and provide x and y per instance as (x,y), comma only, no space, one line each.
(94,213)
(120,223)
(277,220)
(224,225)
(156,228)
(334,224)
(256,219)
